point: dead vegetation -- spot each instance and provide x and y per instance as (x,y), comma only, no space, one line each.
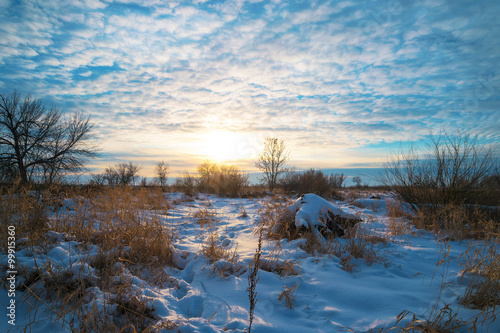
(205,217)
(287,296)
(23,209)
(115,232)
(354,244)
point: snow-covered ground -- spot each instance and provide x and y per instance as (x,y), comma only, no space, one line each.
(327,298)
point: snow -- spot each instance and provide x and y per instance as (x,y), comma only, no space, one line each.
(327,297)
(311,209)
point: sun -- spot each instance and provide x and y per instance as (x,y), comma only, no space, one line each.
(224,146)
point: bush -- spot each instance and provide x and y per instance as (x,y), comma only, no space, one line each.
(310,181)
(186,184)
(449,171)
(444,183)
(221,179)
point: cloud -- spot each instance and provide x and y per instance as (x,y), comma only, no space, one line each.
(321,74)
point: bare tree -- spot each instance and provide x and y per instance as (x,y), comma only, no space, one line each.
(357,180)
(207,171)
(337,180)
(162,169)
(37,142)
(98,179)
(185,183)
(448,171)
(111,176)
(127,172)
(133,171)
(272,160)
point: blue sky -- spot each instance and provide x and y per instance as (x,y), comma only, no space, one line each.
(343,82)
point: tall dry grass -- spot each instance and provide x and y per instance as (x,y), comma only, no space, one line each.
(22,208)
(130,222)
(457,221)
(129,229)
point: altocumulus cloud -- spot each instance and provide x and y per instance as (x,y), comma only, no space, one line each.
(325,75)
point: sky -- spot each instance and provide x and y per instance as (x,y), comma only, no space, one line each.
(344,83)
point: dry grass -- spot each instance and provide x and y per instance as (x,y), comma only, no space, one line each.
(213,250)
(457,222)
(224,261)
(287,296)
(22,208)
(69,293)
(356,244)
(398,218)
(279,266)
(272,213)
(205,217)
(253,279)
(243,212)
(121,220)
(444,320)
(127,225)
(482,272)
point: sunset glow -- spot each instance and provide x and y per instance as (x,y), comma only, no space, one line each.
(223,146)
(342,82)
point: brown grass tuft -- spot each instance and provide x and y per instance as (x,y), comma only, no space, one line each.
(287,296)
(205,217)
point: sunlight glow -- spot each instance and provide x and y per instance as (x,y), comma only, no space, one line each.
(225,146)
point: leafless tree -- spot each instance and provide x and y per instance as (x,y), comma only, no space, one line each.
(127,173)
(337,180)
(186,183)
(37,142)
(207,171)
(357,180)
(133,171)
(272,159)
(111,176)
(162,170)
(448,171)
(98,179)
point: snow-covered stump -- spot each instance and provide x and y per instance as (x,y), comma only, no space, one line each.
(312,212)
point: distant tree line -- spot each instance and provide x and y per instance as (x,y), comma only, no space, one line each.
(312,181)
(39,144)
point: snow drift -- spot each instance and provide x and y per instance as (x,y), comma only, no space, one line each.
(312,212)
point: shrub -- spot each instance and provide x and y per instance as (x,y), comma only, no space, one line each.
(310,181)
(447,172)
(186,184)
(442,183)
(221,179)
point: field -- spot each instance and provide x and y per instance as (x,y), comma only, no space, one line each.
(132,259)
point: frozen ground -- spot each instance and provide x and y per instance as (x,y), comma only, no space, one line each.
(327,297)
